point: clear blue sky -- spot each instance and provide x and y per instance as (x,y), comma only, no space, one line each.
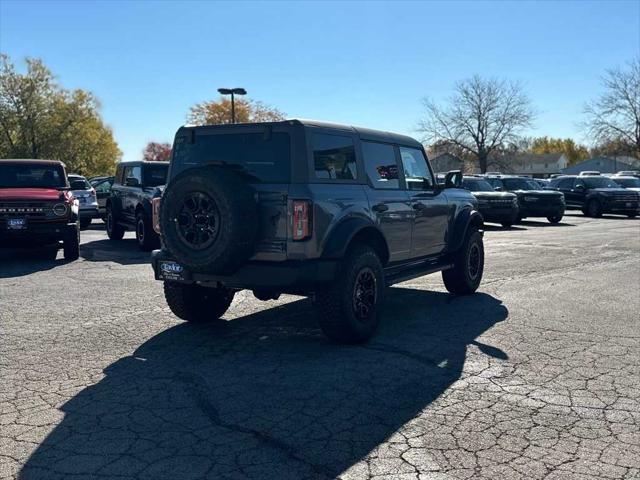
(367,64)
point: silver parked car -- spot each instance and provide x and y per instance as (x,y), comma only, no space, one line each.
(87,200)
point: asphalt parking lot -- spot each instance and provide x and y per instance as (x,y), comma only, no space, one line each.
(536,376)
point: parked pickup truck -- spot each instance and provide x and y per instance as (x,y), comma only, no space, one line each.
(128,206)
(36,206)
(329,211)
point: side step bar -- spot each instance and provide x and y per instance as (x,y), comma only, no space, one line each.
(402,273)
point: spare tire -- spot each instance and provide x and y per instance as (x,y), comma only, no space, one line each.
(209,219)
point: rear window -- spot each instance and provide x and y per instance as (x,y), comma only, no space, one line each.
(155,175)
(79,183)
(23,175)
(264,158)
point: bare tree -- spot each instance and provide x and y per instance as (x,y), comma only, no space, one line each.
(481,118)
(614,118)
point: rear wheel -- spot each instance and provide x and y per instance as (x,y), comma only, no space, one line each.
(195,303)
(145,235)
(554,218)
(593,209)
(114,230)
(71,244)
(348,308)
(468,266)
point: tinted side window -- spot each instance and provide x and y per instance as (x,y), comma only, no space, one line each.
(103,187)
(334,157)
(380,164)
(566,184)
(416,171)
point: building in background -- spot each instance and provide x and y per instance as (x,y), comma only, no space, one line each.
(537,165)
(604,165)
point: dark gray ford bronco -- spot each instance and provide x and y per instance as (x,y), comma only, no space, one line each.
(308,208)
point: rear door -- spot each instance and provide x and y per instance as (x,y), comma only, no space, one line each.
(131,195)
(388,199)
(571,198)
(429,204)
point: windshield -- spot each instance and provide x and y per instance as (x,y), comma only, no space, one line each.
(520,184)
(265,158)
(31,175)
(599,182)
(155,175)
(628,182)
(477,185)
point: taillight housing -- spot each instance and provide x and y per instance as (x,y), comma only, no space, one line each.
(155,207)
(301,220)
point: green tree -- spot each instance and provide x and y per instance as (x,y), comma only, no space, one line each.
(40,119)
(573,151)
(217,112)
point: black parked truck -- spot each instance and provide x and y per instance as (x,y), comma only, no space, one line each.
(329,211)
(533,201)
(128,206)
(498,207)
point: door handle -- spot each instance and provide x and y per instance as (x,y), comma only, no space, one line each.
(419,206)
(380,207)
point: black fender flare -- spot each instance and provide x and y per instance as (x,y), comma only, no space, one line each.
(342,235)
(464,220)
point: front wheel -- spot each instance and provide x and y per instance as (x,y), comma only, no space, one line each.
(114,230)
(468,265)
(348,308)
(84,223)
(195,303)
(71,244)
(593,209)
(554,218)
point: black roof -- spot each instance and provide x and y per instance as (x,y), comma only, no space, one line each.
(363,133)
(141,162)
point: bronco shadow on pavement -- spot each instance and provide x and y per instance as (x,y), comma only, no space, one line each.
(185,404)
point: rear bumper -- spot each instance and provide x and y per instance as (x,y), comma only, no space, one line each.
(288,276)
(35,234)
(89,212)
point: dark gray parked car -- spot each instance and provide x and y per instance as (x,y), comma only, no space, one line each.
(329,211)
(128,206)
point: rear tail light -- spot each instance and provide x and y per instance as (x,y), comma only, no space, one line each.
(301,219)
(155,204)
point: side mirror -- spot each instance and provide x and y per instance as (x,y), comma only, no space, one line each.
(497,189)
(453,179)
(132,182)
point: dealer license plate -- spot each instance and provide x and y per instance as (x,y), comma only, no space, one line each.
(169,270)
(17,223)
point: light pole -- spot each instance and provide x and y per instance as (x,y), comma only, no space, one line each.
(232,92)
